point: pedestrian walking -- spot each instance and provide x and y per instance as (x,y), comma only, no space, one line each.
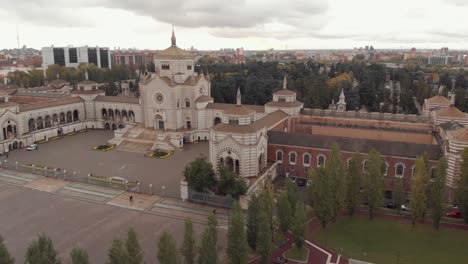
(131,198)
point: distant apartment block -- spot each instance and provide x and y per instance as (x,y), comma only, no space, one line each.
(129,57)
(74,56)
(437,59)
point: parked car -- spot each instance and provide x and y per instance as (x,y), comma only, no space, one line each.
(31,147)
(405,207)
(454,214)
(389,204)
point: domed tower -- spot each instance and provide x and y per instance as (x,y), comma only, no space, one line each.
(239,143)
(284,100)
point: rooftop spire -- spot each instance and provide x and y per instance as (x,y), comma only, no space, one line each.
(238,96)
(285,82)
(86,75)
(173,38)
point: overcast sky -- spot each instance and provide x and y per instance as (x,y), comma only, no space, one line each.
(252,24)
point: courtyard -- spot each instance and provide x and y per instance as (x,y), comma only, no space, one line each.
(27,212)
(387,241)
(75,154)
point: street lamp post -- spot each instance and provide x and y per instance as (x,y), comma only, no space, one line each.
(163,191)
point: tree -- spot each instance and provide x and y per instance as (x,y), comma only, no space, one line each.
(436,194)
(335,171)
(79,256)
(132,246)
(199,174)
(188,246)
(292,193)
(284,212)
(462,187)
(237,242)
(231,183)
(418,197)
(167,250)
(252,221)
(299,224)
(208,253)
(5,257)
(264,235)
(374,181)
(320,199)
(398,194)
(41,251)
(353,184)
(117,253)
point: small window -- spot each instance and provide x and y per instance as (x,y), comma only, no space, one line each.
(187,103)
(306,159)
(399,170)
(81,87)
(94,87)
(279,155)
(189,67)
(365,165)
(281,99)
(292,157)
(233,121)
(165,67)
(321,160)
(433,173)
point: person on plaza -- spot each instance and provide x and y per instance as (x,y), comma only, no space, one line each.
(131,198)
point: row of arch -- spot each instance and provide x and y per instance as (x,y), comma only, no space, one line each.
(118,115)
(113,126)
(10,130)
(321,160)
(48,121)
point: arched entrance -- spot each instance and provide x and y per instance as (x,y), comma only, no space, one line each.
(217,120)
(48,122)
(69,117)
(107,126)
(62,118)
(40,123)
(159,122)
(76,116)
(104,114)
(114,126)
(121,126)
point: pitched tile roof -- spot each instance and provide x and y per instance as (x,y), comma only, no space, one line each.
(222,106)
(204,98)
(284,104)
(51,103)
(284,92)
(387,148)
(460,134)
(267,122)
(451,111)
(118,99)
(439,99)
(174,52)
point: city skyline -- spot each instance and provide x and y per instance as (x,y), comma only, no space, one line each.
(254,25)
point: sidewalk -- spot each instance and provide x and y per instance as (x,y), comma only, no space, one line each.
(166,207)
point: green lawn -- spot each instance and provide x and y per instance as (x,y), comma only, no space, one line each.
(296,254)
(384,240)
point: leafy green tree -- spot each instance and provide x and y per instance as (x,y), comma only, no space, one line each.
(337,174)
(41,251)
(398,194)
(436,194)
(267,203)
(299,224)
(292,193)
(353,184)
(188,246)
(133,248)
(237,241)
(374,182)
(418,199)
(208,252)
(264,236)
(318,191)
(252,221)
(232,184)
(462,187)
(199,174)
(5,257)
(79,256)
(117,253)
(167,250)
(284,212)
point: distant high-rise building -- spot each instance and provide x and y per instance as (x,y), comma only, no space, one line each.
(74,56)
(435,59)
(444,50)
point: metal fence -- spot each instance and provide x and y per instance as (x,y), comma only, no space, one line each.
(108,182)
(210,199)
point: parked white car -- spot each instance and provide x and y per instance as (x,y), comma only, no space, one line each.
(31,147)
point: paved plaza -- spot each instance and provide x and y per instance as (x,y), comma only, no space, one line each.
(75,154)
(76,214)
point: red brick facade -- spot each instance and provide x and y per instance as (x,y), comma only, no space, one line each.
(299,169)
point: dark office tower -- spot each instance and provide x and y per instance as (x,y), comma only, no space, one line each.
(72,55)
(59,56)
(104,56)
(92,56)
